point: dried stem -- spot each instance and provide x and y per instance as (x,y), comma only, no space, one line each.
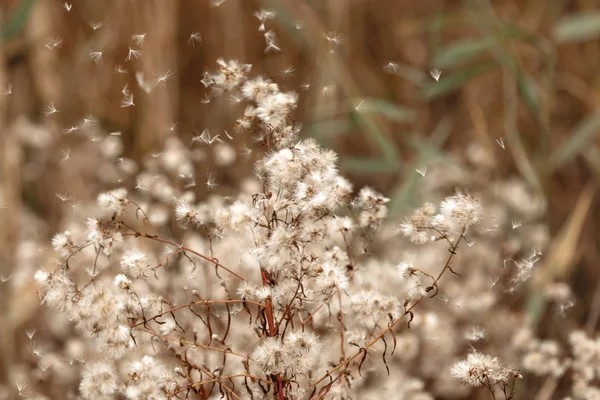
(393,324)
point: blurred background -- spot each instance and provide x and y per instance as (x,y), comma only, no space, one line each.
(392,85)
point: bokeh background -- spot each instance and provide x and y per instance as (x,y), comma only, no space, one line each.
(519,89)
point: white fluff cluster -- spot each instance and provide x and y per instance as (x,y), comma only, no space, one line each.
(114,201)
(100,310)
(586,365)
(135,264)
(482,370)
(148,379)
(255,278)
(457,213)
(63,244)
(100,381)
(103,234)
(293,356)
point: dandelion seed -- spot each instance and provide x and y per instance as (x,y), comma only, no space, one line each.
(327,90)
(161,78)
(127,100)
(8,90)
(96,25)
(139,39)
(298,24)
(37,348)
(75,206)
(494,282)
(30,332)
(435,74)
(63,197)
(263,16)
(5,278)
(88,122)
(67,6)
(195,37)
(516,224)
(564,306)
(50,109)
(21,386)
(43,365)
(133,53)
(500,142)
(139,77)
(288,71)
(236,99)
(217,3)
(476,334)
(228,135)
(422,171)
(211,182)
(172,127)
(271,41)
(119,69)
(96,57)
(335,38)
(205,100)
(305,86)
(358,108)
(70,130)
(470,243)
(118,133)
(80,357)
(93,137)
(493,228)
(207,80)
(66,155)
(140,187)
(91,272)
(391,67)
(245,151)
(54,42)
(205,137)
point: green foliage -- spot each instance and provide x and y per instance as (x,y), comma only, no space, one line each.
(17,21)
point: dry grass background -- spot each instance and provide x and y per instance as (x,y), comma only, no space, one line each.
(525,71)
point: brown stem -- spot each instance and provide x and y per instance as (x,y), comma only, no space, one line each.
(188,250)
(194,303)
(272,330)
(181,340)
(393,324)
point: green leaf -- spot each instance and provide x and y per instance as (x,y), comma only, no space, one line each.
(577,141)
(376,135)
(577,27)
(463,51)
(16,23)
(530,91)
(455,81)
(592,156)
(383,107)
(430,151)
(286,19)
(325,130)
(403,196)
(369,165)
(536,304)
(413,75)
